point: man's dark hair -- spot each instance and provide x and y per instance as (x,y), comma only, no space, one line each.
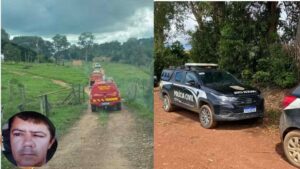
(33,117)
(36,118)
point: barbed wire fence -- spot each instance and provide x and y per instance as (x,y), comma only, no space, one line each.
(44,102)
(139,91)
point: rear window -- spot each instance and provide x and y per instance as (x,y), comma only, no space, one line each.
(166,74)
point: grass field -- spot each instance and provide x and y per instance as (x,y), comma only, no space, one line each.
(134,83)
(136,86)
(37,80)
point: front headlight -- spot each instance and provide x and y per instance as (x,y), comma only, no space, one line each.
(224,99)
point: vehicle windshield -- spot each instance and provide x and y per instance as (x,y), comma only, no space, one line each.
(217,78)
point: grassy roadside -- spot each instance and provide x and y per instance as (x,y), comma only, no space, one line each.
(136,87)
(273,109)
(37,79)
(69,74)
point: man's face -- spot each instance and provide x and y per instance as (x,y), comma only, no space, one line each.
(29,142)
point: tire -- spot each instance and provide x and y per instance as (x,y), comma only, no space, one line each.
(94,108)
(167,106)
(291,147)
(118,106)
(206,117)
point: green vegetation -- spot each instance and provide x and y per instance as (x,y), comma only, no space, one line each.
(135,85)
(103,117)
(34,80)
(68,74)
(235,35)
(35,49)
(273,117)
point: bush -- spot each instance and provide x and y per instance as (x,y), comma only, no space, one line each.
(261,77)
(276,68)
(286,79)
(247,74)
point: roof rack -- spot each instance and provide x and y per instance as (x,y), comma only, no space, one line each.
(195,66)
(202,64)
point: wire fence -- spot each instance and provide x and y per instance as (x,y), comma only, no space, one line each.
(140,92)
(45,102)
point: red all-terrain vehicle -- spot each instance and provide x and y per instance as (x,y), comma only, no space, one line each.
(105,94)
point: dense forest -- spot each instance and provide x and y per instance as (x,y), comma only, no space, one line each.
(134,51)
(257,41)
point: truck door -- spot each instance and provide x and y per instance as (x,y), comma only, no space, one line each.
(177,93)
(190,90)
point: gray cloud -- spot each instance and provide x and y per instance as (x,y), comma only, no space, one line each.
(72,17)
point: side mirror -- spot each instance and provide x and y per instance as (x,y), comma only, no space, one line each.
(191,83)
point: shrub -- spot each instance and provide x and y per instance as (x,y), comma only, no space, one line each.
(261,77)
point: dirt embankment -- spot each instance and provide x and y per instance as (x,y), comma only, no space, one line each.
(181,143)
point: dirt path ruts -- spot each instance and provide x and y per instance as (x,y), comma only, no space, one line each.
(92,145)
(181,143)
(58,82)
(125,142)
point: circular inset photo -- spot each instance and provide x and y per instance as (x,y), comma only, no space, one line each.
(29,139)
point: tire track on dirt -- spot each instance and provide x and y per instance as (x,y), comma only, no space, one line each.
(91,145)
(55,81)
(181,143)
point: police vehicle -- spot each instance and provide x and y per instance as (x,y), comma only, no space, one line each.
(215,94)
(290,127)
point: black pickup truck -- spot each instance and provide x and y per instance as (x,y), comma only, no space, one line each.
(215,94)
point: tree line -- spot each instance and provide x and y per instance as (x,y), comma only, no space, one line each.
(35,49)
(256,41)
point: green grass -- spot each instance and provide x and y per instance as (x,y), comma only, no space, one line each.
(135,85)
(272,118)
(103,117)
(68,74)
(126,76)
(29,76)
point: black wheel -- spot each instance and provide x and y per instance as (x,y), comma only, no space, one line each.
(94,108)
(118,106)
(206,117)
(168,107)
(291,147)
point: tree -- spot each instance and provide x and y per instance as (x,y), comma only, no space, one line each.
(86,40)
(248,33)
(11,52)
(4,35)
(34,43)
(60,44)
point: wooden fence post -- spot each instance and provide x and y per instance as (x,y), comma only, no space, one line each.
(44,106)
(79,101)
(10,89)
(83,93)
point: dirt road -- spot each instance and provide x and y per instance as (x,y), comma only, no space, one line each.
(181,143)
(120,143)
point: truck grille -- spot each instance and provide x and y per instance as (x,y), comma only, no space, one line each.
(245,101)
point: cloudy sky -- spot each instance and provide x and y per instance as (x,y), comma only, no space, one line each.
(108,20)
(190,24)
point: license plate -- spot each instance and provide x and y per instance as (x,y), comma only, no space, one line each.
(250,109)
(104,104)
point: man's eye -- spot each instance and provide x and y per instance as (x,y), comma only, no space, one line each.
(17,134)
(40,136)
